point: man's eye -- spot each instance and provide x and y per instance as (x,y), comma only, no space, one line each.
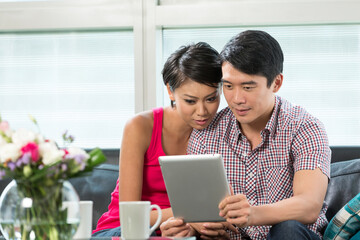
(248,88)
(227,86)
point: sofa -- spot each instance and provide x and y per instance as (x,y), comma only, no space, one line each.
(344,184)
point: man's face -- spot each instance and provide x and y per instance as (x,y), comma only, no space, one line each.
(248,96)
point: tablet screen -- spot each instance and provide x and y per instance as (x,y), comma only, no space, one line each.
(195,185)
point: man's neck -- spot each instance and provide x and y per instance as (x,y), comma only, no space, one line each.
(253,130)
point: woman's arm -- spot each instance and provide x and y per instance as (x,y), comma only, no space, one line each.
(136,141)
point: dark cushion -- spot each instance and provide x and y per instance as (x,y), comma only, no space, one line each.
(97,187)
(343,186)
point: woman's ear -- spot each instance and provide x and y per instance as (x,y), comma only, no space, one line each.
(171,96)
(278,82)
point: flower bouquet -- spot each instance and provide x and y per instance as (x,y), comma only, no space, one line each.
(40,170)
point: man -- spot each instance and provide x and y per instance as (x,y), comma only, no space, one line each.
(276,155)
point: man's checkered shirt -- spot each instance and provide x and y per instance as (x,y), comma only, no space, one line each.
(292,140)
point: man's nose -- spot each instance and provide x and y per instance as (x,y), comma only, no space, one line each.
(238,97)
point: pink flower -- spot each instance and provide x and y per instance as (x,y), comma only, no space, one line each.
(33,149)
(4,126)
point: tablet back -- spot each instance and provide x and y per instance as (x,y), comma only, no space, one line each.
(195,185)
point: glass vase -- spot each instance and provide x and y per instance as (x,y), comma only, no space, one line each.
(48,210)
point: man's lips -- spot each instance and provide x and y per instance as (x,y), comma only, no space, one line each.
(242,112)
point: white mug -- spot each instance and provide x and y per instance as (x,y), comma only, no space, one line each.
(85,226)
(135,219)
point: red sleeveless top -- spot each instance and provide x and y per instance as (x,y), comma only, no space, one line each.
(154,189)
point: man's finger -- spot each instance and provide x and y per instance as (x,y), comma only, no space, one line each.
(231,190)
(231,227)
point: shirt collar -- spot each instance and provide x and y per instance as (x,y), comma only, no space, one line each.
(273,121)
(232,130)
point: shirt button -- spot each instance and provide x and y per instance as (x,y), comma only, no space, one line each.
(251,202)
(244,154)
(251,175)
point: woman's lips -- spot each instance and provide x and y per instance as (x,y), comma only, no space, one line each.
(201,122)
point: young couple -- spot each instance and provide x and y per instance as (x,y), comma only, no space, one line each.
(276,155)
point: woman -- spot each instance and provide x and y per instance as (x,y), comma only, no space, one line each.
(192,75)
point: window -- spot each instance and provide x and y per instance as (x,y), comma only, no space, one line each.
(82,82)
(321,70)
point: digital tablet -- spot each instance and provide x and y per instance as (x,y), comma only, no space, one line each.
(195,184)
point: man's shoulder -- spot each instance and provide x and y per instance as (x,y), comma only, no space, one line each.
(295,116)
(294,113)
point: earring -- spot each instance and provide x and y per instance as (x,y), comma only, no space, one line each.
(173,103)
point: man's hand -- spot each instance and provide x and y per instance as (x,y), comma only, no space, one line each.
(236,210)
(176,227)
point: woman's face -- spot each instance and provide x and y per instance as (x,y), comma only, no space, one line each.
(196,103)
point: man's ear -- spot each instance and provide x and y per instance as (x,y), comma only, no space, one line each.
(171,96)
(277,82)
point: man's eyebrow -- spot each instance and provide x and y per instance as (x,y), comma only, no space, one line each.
(224,81)
(251,82)
(213,93)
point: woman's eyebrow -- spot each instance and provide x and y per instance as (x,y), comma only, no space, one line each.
(213,93)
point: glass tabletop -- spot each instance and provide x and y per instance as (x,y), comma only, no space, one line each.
(151,238)
(119,238)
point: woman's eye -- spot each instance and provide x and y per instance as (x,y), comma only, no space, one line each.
(212,99)
(189,101)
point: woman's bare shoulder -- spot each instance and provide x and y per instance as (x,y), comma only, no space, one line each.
(141,124)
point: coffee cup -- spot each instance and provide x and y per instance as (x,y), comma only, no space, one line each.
(85,226)
(135,219)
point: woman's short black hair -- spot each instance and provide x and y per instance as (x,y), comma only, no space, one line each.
(198,62)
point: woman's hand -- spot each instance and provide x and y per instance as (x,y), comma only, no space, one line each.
(176,227)
(213,230)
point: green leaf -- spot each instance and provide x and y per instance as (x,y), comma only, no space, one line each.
(33,119)
(41,173)
(6,138)
(96,157)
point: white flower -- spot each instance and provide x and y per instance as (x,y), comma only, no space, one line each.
(50,152)
(23,136)
(39,138)
(52,156)
(46,147)
(74,151)
(10,152)
(2,141)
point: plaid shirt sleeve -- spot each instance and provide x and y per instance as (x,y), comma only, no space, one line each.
(310,147)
